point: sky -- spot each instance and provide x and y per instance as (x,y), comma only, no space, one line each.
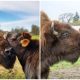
(17,14)
(57,7)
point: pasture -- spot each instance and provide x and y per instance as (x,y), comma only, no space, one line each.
(66,70)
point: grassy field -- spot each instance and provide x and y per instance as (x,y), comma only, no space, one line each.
(64,64)
(15,73)
(35,37)
(65,70)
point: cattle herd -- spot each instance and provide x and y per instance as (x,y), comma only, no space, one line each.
(58,41)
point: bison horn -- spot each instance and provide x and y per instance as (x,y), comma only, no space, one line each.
(5,35)
(54,32)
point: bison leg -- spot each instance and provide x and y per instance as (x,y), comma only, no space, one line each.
(44,75)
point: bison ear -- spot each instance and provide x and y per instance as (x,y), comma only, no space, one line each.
(26,35)
(44,18)
(24,42)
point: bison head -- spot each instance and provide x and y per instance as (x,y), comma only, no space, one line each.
(7,59)
(18,41)
(59,41)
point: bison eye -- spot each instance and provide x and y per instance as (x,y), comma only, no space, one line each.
(65,34)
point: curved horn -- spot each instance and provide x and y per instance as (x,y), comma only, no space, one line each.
(52,26)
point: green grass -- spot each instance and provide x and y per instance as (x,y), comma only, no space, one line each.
(15,73)
(64,64)
(35,37)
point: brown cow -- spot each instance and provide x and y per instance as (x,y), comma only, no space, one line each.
(59,41)
(6,59)
(27,51)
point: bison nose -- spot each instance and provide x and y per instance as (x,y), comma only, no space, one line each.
(8,49)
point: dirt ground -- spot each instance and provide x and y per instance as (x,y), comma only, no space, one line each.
(71,73)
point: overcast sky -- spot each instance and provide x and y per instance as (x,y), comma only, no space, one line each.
(56,7)
(18,14)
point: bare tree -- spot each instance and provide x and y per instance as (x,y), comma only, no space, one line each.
(66,17)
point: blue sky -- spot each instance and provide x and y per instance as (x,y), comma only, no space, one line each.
(56,7)
(15,14)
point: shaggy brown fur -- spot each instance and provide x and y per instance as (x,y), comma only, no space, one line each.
(54,48)
(28,56)
(6,59)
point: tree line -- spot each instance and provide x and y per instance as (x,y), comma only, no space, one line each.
(34,30)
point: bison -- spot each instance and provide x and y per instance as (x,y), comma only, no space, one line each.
(7,59)
(27,51)
(59,41)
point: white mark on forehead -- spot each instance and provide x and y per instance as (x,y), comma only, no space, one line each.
(76,28)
